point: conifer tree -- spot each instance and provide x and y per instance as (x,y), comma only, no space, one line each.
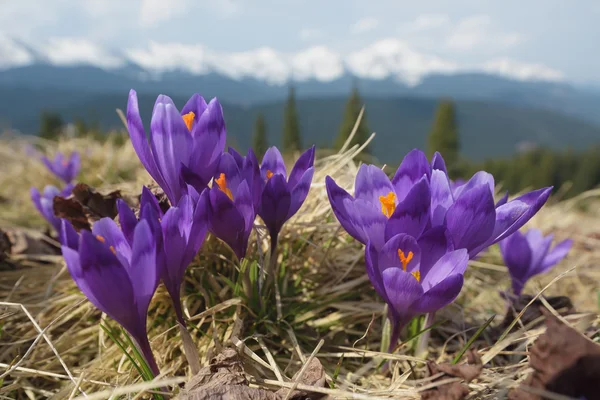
(291,140)
(259,136)
(351,112)
(51,125)
(444,134)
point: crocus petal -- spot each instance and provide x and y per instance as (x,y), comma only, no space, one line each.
(226,222)
(538,244)
(511,216)
(452,263)
(104,280)
(440,295)
(140,141)
(272,162)
(300,191)
(372,183)
(438,163)
(244,204)
(502,200)
(171,144)
(413,167)
(68,236)
(480,178)
(470,220)
(342,205)
(199,226)
(239,159)
(73,166)
(371,222)
(373,270)
(402,290)
(555,255)
(107,230)
(143,271)
(412,214)
(516,254)
(229,167)
(209,141)
(36,197)
(127,220)
(195,104)
(174,248)
(275,203)
(441,197)
(434,243)
(71,256)
(305,162)
(251,173)
(389,256)
(147,198)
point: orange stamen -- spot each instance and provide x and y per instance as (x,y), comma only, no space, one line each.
(189,119)
(388,205)
(405,259)
(101,238)
(222,183)
(113,250)
(269,174)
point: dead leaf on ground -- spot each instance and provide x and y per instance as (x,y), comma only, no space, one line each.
(560,303)
(453,390)
(15,241)
(85,206)
(560,353)
(224,379)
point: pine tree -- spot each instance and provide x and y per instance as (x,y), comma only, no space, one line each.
(444,134)
(351,112)
(51,125)
(259,136)
(291,140)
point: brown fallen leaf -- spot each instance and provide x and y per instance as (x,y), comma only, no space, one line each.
(314,375)
(580,380)
(102,205)
(453,390)
(223,379)
(72,211)
(556,351)
(85,206)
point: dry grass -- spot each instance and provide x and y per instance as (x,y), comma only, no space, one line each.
(53,347)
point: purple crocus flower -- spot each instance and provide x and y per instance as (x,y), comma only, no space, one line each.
(530,254)
(184,146)
(281,196)
(63,168)
(118,276)
(179,234)
(44,202)
(233,201)
(419,197)
(415,276)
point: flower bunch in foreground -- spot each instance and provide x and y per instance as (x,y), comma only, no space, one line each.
(421,228)
(531,254)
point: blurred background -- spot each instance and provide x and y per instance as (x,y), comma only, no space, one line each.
(510,87)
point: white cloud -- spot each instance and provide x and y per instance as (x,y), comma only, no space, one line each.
(170,56)
(310,34)
(155,11)
(393,57)
(429,21)
(477,31)
(73,51)
(317,62)
(263,63)
(365,25)
(523,71)
(12,54)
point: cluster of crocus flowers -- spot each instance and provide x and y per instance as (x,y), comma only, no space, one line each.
(66,169)
(184,147)
(422,202)
(529,254)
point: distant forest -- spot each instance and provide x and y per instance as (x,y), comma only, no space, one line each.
(570,171)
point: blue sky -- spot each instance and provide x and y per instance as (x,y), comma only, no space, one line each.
(550,39)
